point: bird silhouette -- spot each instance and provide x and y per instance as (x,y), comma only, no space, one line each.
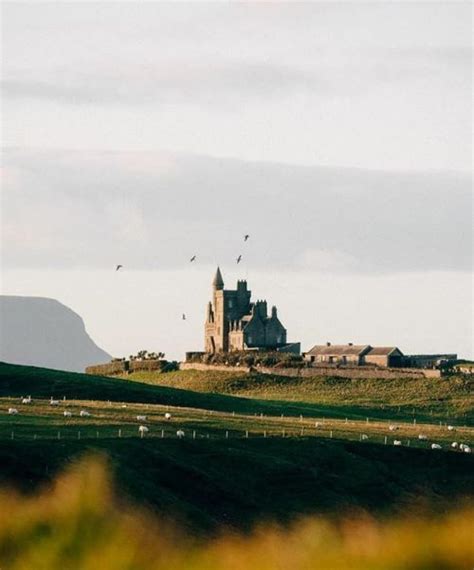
(246,237)
(118,267)
(193,258)
(239,259)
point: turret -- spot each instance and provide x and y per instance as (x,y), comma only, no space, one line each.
(218,283)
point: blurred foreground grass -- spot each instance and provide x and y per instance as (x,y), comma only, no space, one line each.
(79,523)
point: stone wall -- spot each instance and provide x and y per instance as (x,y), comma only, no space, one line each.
(201,366)
(349,372)
(126,367)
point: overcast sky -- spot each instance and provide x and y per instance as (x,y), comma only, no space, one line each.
(337,134)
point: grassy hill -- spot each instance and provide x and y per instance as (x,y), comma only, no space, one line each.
(223,477)
(446,398)
(241,482)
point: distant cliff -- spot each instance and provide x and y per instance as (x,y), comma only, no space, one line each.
(44,332)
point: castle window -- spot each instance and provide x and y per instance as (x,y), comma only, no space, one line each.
(231,303)
(249,339)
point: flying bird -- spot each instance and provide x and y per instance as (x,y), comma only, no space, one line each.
(239,259)
(193,258)
(246,237)
(118,267)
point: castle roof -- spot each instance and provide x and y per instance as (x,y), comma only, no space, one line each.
(218,282)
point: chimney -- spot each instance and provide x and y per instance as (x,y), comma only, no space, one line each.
(350,344)
(328,344)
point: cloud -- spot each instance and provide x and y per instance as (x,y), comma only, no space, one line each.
(228,81)
(66,209)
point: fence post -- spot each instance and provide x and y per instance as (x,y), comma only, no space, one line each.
(385,442)
(59,435)
(367,420)
(162,433)
(302,431)
(13,435)
(246,434)
(120,433)
(78,435)
(264,434)
(194,434)
(97,434)
(283,433)
(414,421)
(227,435)
(330,435)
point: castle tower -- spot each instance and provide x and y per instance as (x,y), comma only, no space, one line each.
(234,323)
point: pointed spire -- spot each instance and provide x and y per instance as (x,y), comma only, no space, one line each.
(218,282)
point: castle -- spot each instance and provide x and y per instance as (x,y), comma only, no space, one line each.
(234,323)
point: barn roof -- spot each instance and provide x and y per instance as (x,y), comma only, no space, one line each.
(383,351)
(339,349)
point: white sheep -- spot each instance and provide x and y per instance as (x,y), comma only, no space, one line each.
(167,416)
(141,418)
(462,446)
(67,414)
(318,424)
(393,428)
(364,436)
(454,445)
(467,449)
(397,442)
(143,430)
(54,402)
(451,428)
(84,414)
(180,434)
(422,436)
(436,446)
(26,400)
(12,411)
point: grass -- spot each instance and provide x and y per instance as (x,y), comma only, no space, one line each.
(221,477)
(438,399)
(78,523)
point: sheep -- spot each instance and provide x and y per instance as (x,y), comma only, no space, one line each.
(397,442)
(180,434)
(12,411)
(454,445)
(467,449)
(436,446)
(54,402)
(26,400)
(462,446)
(67,414)
(84,414)
(141,418)
(143,430)
(451,428)
(422,436)
(124,405)
(392,428)
(318,424)
(364,436)
(167,416)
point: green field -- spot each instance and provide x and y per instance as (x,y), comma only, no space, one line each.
(432,399)
(242,459)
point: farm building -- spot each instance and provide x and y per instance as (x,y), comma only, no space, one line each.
(355,355)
